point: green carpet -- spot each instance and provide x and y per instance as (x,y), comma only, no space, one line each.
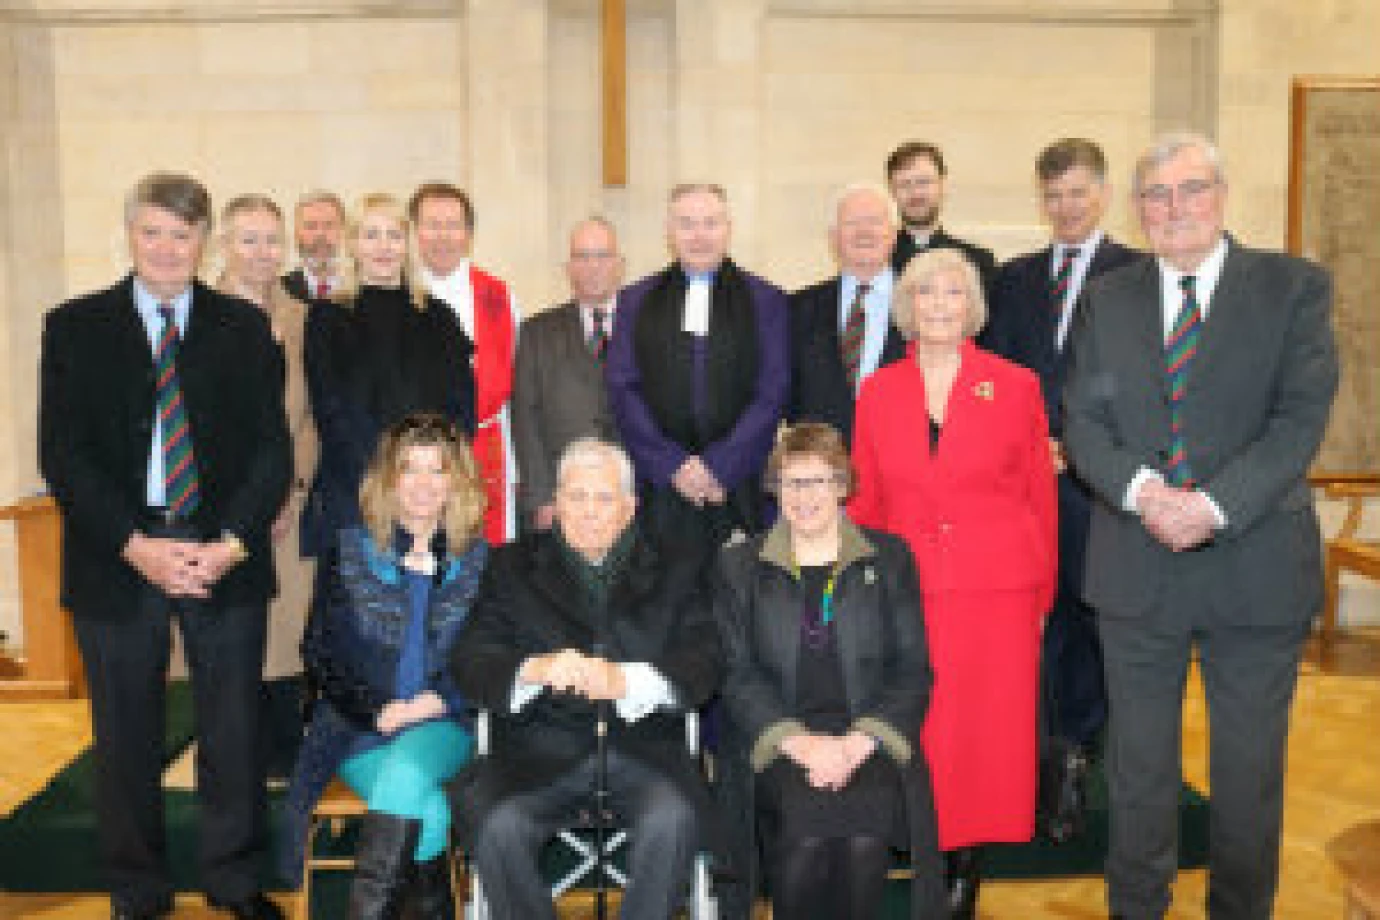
(49,842)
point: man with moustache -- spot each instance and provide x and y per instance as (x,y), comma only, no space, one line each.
(841,328)
(442,218)
(558,385)
(162,436)
(318,223)
(1033,303)
(916,173)
(1199,388)
(698,373)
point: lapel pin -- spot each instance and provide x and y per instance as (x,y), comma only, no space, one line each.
(869,575)
(985,390)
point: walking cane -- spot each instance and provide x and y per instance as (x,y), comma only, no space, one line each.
(601,815)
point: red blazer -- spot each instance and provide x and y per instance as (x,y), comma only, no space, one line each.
(980,512)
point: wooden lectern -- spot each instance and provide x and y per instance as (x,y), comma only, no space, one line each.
(52,667)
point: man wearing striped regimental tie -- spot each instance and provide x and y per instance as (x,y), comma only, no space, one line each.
(163,439)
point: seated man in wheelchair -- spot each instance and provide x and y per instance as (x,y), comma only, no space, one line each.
(588,623)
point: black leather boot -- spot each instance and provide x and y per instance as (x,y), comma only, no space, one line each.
(383,866)
(432,897)
(963,872)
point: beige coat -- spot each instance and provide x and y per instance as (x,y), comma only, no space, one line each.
(288,612)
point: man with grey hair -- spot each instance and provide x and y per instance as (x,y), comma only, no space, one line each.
(1199,389)
(558,377)
(841,329)
(318,224)
(162,436)
(592,623)
(698,372)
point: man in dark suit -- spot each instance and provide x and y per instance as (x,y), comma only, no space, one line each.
(1032,305)
(558,378)
(318,223)
(916,173)
(1198,393)
(592,621)
(163,439)
(841,329)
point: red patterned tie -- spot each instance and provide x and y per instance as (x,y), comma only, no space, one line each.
(323,289)
(854,328)
(181,487)
(599,335)
(1063,277)
(1178,358)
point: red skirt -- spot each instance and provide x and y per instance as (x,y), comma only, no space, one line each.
(979,734)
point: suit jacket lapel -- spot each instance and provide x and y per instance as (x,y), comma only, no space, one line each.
(578,358)
(554,581)
(1224,311)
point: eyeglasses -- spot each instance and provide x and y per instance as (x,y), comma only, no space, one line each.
(592,255)
(805,483)
(1189,191)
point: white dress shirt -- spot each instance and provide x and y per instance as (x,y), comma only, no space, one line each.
(1086,250)
(644,690)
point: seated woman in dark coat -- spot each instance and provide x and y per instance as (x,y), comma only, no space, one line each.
(390,720)
(828,679)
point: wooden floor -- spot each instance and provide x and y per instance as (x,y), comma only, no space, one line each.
(1333,783)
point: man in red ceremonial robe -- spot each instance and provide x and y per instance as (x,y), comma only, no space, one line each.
(443,219)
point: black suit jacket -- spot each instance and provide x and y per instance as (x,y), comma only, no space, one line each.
(96,410)
(1021,321)
(819,385)
(981,257)
(295,282)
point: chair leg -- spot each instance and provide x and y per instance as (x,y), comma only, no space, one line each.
(1332,578)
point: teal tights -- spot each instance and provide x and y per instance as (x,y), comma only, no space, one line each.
(403,777)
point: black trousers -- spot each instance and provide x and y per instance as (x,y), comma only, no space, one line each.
(126,654)
(662,829)
(1249,673)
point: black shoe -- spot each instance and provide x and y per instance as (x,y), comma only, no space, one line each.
(963,873)
(383,866)
(432,897)
(254,907)
(1064,793)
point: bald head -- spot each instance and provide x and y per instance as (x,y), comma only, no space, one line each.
(595,266)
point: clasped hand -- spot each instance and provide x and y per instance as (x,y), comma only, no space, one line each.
(1178,518)
(398,714)
(696,484)
(571,671)
(829,760)
(180,568)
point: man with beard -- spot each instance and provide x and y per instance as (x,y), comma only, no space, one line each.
(841,329)
(318,222)
(698,373)
(915,173)
(442,217)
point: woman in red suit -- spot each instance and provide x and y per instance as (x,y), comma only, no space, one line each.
(952,454)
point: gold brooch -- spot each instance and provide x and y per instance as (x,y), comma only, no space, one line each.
(985,390)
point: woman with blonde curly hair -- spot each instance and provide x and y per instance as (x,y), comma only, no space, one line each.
(389,720)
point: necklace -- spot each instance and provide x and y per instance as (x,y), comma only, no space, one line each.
(816,629)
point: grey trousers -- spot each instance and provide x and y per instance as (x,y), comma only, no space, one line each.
(662,826)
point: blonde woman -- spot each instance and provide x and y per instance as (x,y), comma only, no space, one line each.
(380,349)
(253,246)
(389,719)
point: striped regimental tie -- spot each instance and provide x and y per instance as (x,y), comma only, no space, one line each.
(1062,278)
(1178,359)
(854,328)
(599,335)
(181,488)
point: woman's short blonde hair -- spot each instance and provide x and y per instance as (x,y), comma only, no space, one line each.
(392,207)
(810,439)
(921,270)
(378,498)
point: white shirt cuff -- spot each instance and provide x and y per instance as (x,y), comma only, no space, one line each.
(644,690)
(1138,481)
(523,693)
(1216,510)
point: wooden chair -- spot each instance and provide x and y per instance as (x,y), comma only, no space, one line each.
(337,805)
(1356,854)
(1346,551)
